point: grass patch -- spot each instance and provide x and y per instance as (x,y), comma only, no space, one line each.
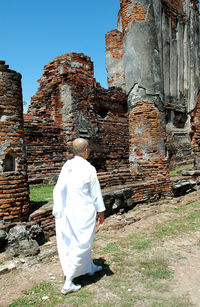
(157,286)
(154,269)
(185,208)
(172,302)
(118,249)
(113,252)
(141,244)
(41,294)
(111,248)
(41,193)
(80,298)
(138,241)
(187,219)
(180,225)
(177,170)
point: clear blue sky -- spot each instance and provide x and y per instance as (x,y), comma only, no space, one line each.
(34,32)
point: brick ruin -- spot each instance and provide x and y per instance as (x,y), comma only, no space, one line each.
(70,103)
(143,124)
(14,189)
(154,56)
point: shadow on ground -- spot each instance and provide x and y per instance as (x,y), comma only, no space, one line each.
(86,280)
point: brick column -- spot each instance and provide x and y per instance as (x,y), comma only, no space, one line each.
(14,190)
(147,142)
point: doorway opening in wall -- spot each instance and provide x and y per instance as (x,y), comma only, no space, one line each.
(179,119)
(9,163)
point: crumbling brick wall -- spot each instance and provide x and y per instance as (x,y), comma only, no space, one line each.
(147,138)
(148,155)
(46,151)
(114,50)
(195,132)
(14,189)
(69,104)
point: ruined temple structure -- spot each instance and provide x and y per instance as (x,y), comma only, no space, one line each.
(69,104)
(143,124)
(154,56)
(14,189)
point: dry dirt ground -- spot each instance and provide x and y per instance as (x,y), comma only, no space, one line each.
(46,267)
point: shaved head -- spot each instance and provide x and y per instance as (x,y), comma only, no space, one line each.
(79,146)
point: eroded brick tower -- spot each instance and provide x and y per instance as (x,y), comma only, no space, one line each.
(135,66)
(14,189)
(154,56)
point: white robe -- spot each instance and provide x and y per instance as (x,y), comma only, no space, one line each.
(77,199)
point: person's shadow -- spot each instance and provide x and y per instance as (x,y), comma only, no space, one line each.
(86,280)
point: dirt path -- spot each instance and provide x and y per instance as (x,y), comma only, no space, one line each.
(186,268)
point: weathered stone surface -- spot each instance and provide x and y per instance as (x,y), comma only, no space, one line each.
(53,180)
(3,270)
(117,199)
(21,243)
(17,233)
(25,241)
(183,186)
(196,161)
(37,233)
(10,266)
(25,247)
(193,173)
(49,253)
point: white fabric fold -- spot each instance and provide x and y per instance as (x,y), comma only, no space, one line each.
(77,199)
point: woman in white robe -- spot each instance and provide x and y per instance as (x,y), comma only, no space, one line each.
(77,199)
